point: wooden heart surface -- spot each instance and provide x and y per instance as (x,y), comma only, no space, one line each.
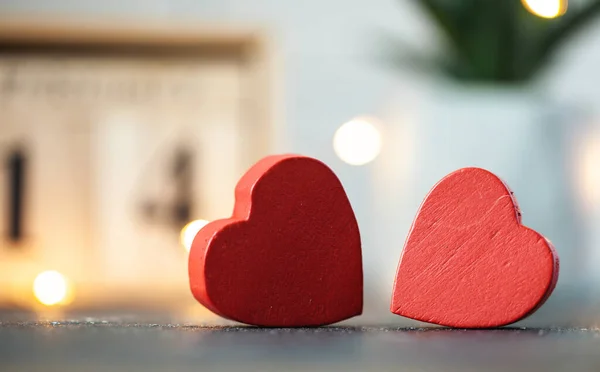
(468,262)
(289,256)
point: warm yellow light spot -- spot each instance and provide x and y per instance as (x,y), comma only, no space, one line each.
(357,142)
(589,169)
(50,287)
(546,8)
(189,231)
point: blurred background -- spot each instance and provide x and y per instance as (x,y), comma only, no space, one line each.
(125,125)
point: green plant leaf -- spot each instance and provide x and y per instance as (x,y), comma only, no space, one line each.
(396,52)
(446,17)
(492,40)
(442,12)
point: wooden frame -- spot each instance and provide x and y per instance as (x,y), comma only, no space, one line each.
(97,38)
(155,40)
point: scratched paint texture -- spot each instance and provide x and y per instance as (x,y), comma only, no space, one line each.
(468,261)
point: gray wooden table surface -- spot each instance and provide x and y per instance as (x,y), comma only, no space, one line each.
(126,343)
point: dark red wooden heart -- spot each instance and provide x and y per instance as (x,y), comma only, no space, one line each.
(468,261)
(289,256)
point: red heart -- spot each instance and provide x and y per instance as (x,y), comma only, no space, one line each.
(289,256)
(468,261)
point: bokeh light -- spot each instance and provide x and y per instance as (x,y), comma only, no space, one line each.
(189,231)
(589,170)
(358,141)
(50,287)
(546,8)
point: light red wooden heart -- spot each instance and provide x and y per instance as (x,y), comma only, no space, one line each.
(468,261)
(289,256)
